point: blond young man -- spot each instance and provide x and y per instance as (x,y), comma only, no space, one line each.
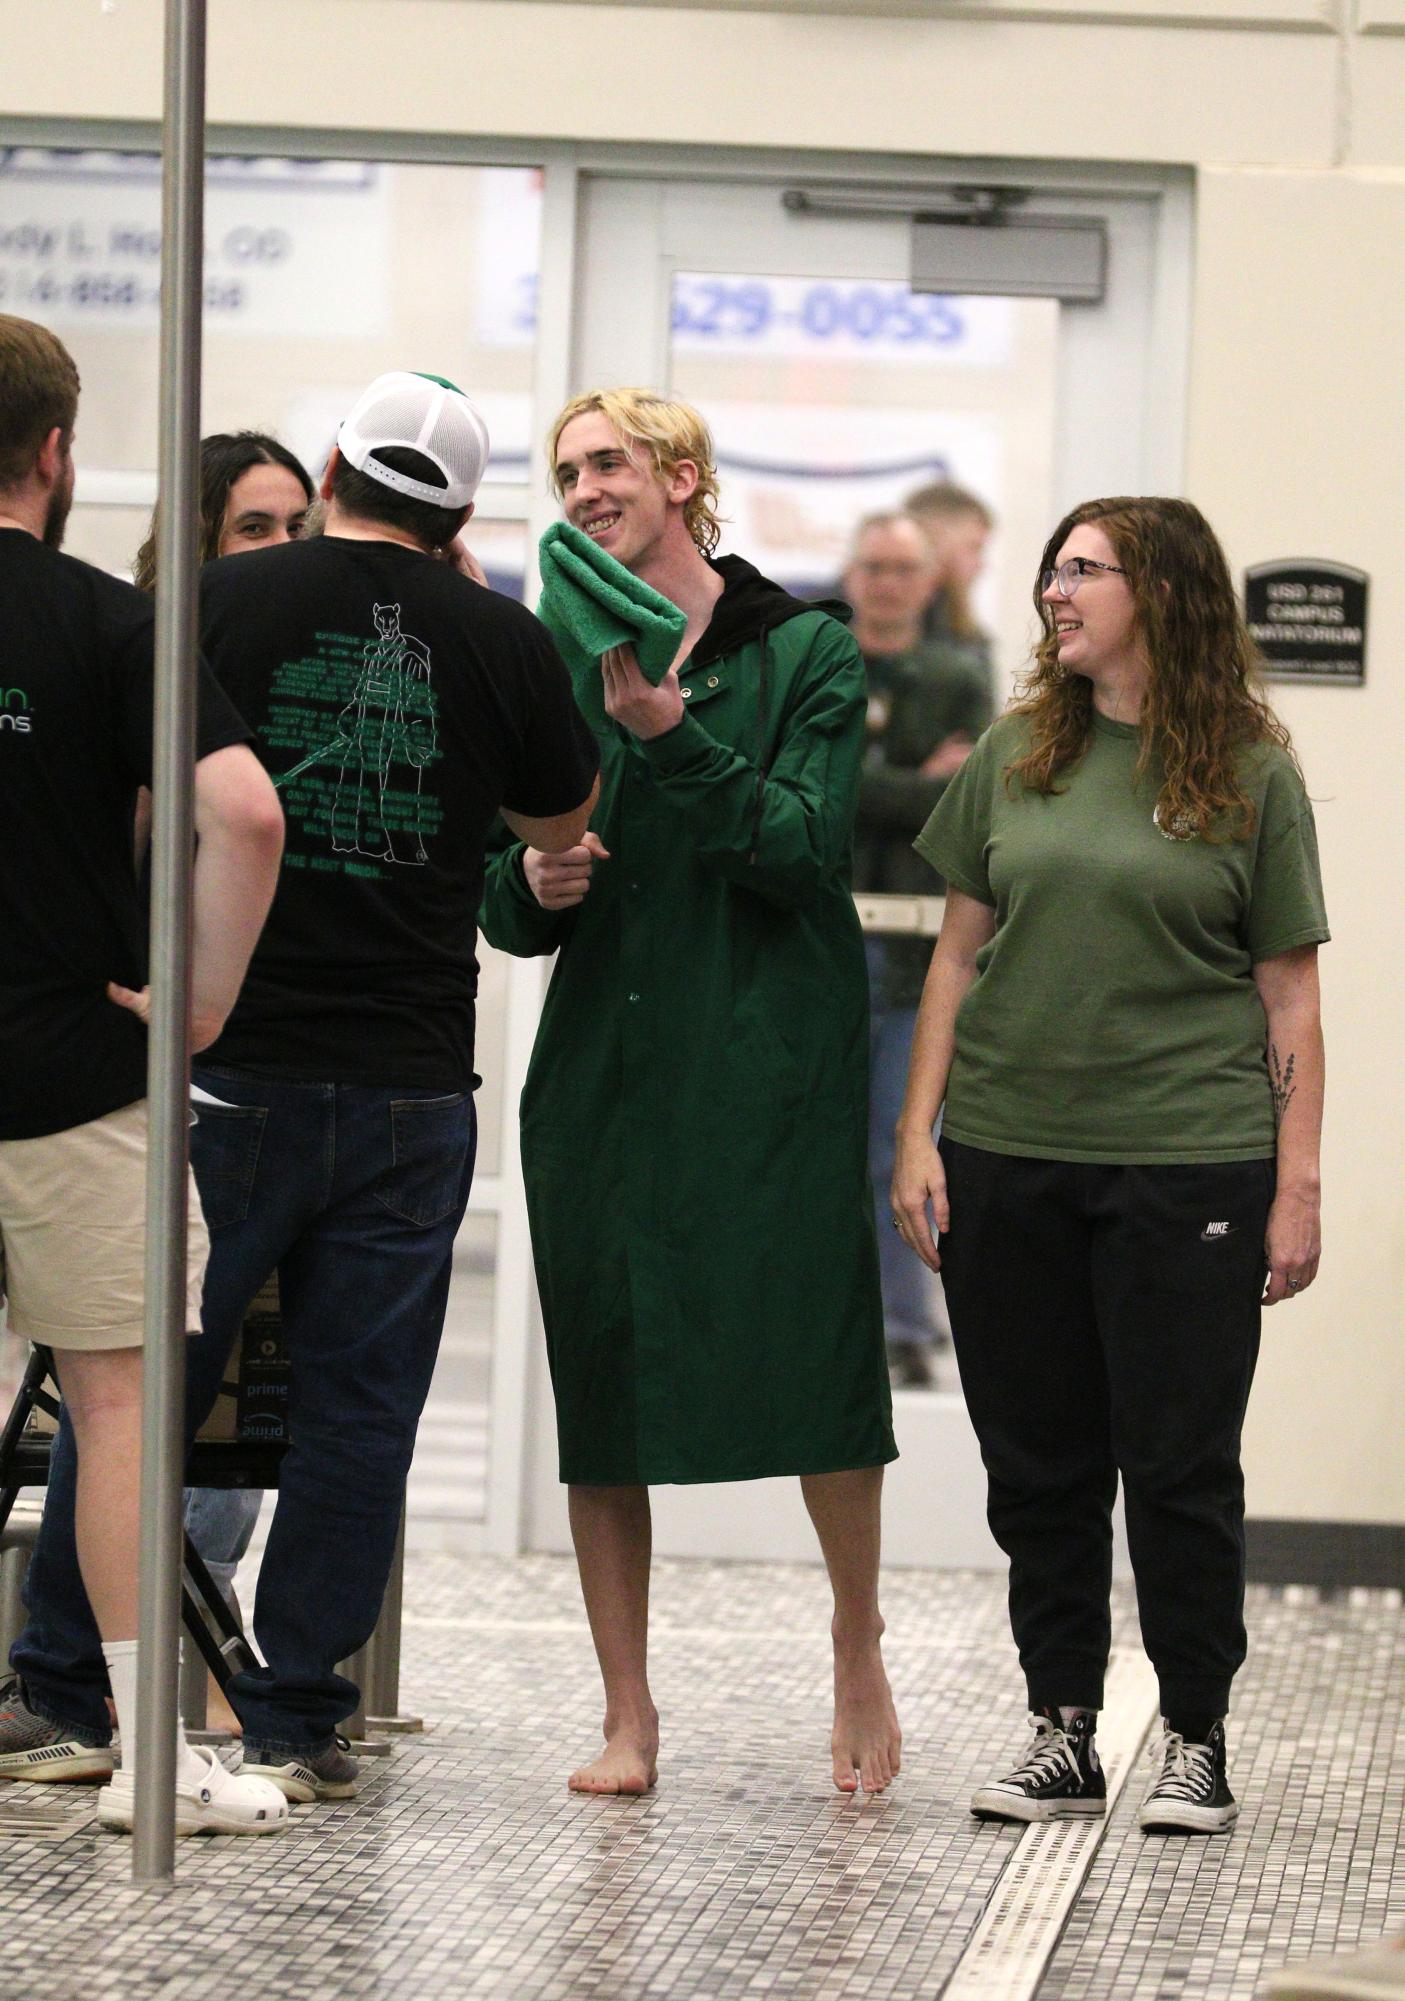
(710,1287)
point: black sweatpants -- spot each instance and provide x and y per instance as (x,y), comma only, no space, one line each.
(1106,1320)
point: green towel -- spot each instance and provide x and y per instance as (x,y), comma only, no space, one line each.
(589,603)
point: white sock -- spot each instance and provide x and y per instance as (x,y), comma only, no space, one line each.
(121,1658)
(1070,1713)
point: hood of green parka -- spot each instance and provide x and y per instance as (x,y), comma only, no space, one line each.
(751,604)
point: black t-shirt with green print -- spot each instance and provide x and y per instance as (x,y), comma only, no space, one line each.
(1114,1015)
(397,706)
(76,679)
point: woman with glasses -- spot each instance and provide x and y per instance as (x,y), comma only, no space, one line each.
(1121,1027)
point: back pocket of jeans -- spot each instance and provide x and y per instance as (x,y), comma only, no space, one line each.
(224,1151)
(429,1143)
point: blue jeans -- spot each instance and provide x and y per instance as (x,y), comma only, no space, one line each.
(909,1308)
(354,1194)
(220,1522)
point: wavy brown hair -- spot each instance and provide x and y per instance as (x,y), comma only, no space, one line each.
(1203,704)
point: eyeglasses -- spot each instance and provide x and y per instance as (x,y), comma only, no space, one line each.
(1068,576)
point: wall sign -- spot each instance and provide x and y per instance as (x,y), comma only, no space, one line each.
(841,318)
(1308,619)
(292,247)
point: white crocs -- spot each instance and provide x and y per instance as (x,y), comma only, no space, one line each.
(209,1800)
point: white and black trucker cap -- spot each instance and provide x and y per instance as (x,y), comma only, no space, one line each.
(418,413)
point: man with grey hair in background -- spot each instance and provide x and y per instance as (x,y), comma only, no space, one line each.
(928,701)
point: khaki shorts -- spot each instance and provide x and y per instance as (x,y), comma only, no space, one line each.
(73,1234)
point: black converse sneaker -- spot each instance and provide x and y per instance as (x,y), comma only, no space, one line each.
(1061,1778)
(1192,1795)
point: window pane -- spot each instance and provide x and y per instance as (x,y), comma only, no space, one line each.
(831,399)
(319,274)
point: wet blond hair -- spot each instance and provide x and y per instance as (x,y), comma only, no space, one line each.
(669,434)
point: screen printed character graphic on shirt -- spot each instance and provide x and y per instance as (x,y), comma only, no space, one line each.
(386,736)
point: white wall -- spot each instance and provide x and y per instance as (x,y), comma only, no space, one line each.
(1096,79)
(1297,447)
(1291,113)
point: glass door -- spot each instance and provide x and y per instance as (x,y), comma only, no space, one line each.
(834,390)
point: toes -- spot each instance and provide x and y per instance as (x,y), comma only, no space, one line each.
(588,1781)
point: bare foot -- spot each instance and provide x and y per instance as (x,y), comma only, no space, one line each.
(628,1764)
(867,1743)
(218,1713)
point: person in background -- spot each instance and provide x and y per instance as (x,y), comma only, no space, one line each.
(79,650)
(957,524)
(1122,1022)
(928,701)
(254,494)
(709,1281)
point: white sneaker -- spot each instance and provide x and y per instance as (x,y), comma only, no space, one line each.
(209,1800)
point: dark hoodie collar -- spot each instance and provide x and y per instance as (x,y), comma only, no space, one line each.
(749,606)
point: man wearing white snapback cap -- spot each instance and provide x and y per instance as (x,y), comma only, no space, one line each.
(398,707)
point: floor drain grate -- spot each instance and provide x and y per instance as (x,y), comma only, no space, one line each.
(1020,1927)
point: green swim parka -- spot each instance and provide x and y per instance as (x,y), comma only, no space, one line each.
(694,1122)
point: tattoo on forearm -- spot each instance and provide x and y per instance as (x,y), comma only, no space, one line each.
(1281,1080)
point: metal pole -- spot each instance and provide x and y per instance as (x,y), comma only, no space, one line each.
(168,1074)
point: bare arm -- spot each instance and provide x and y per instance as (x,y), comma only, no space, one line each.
(918,1177)
(554,835)
(239,830)
(141,827)
(1288,988)
(239,825)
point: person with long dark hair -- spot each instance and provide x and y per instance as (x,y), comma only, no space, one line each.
(1121,1027)
(254,494)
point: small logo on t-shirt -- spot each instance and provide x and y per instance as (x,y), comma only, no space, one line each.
(14,711)
(1180,826)
(1213,1230)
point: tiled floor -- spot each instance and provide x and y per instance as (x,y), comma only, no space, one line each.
(464,1869)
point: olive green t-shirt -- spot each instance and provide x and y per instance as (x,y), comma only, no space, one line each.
(1114,1016)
